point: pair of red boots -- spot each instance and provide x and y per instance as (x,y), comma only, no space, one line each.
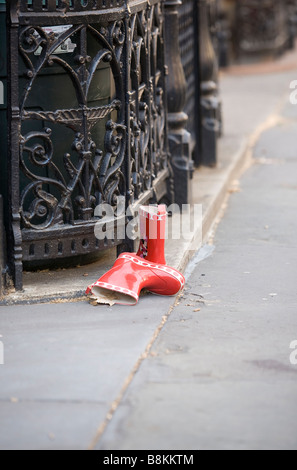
(145,270)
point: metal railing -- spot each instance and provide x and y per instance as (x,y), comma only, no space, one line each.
(72,146)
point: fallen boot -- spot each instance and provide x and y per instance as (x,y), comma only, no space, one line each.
(130,274)
(145,270)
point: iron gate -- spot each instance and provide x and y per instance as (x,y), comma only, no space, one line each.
(52,195)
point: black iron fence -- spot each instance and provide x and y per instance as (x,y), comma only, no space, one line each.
(74,144)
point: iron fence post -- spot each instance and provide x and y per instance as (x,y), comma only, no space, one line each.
(223,34)
(210,102)
(261,27)
(179,137)
(13,117)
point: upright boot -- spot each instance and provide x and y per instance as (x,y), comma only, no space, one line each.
(152,220)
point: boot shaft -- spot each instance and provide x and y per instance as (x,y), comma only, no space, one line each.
(152,220)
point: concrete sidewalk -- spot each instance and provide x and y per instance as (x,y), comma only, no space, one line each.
(156,377)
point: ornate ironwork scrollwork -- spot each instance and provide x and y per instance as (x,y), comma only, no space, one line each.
(146,104)
(93,177)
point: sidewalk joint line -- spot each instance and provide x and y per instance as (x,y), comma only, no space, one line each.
(115,404)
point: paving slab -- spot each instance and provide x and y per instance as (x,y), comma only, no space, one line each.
(64,366)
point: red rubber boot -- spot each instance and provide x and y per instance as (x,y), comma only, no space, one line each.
(130,274)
